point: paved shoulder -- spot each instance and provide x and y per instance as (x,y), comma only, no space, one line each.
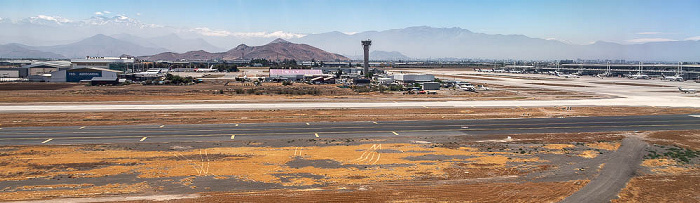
(614,176)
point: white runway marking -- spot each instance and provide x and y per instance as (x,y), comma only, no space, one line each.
(45,141)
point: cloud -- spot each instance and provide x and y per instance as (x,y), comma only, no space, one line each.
(649,33)
(349,33)
(106,12)
(696,38)
(138,14)
(223,33)
(209,32)
(645,40)
(99,13)
(56,19)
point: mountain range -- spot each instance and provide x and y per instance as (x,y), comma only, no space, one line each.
(279,49)
(420,42)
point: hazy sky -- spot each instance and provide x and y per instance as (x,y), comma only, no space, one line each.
(579,22)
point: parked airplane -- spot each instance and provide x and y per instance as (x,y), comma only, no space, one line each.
(566,75)
(151,73)
(687,91)
(638,76)
(210,69)
(673,78)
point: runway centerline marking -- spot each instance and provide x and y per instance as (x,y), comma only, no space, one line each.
(142,139)
(45,141)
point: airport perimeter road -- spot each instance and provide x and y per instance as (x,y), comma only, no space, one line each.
(675,101)
(477,129)
(617,171)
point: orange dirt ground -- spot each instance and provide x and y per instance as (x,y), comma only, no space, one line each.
(329,115)
(236,91)
(479,192)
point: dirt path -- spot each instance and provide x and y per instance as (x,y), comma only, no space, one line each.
(617,171)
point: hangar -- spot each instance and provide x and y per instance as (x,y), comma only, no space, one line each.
(83,74)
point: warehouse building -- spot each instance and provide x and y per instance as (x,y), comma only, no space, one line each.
(294,74)
(411,78)
(100,62)
(84,75)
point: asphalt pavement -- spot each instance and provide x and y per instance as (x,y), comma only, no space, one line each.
(261,131)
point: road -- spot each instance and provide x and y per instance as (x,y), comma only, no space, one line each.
(688,101)
(613,177)
(260,131)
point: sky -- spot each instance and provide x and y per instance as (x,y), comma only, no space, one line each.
(572,21)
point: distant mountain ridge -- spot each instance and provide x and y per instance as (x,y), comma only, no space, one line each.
(429,42)
(279,49)
(17,51)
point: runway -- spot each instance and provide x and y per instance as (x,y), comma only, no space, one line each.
(337,130)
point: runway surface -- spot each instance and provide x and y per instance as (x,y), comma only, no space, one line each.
(228,132)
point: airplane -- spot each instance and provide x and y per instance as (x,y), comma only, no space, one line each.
(687,91)
(673,78)
(210,69)
(150,73)
(638,76)
(466,87)
(606,74)
(567,75)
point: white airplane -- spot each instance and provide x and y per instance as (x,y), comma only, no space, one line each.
(210,69)
(673,78)
(566,75)
(687,91)
(638,76)
(151,73)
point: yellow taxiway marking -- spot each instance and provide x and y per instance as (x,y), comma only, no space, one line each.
(45,141)
(161,126)
(233,136)
(236,124)
(375,122)
(316,134)
(308,124)
(394,133)
(142,139)
(82,127)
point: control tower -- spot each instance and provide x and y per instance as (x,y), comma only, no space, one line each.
(365,46)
